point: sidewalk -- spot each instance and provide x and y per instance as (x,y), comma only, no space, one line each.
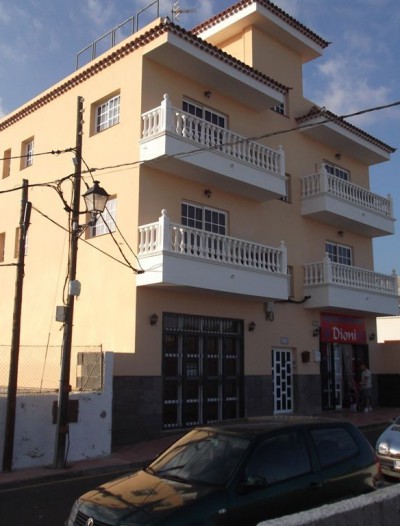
(134,456)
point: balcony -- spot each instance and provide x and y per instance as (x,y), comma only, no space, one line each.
(330,199)
(182,144)
(335,286)
(177,256)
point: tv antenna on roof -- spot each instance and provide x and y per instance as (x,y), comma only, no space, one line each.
(176,11)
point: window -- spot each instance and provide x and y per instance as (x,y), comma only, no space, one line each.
(339,253)
(332,169)
(6,163)
(290,271)
(280,457)
(202,112)
(333,445)
(279,108)
(288,183)
(105,222)
(27,150)
(2,246)
(107,113)
(204,218)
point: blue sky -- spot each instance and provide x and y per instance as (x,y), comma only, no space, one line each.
(39,40)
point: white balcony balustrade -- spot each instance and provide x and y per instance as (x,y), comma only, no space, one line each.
(336,201)
(183,256)
(218,156)
(337,286)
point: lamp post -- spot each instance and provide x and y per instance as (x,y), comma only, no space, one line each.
(96,200)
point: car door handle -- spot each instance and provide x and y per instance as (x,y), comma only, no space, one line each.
(315,484)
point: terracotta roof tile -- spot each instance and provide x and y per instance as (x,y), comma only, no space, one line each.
(117,54)
(272,8)
(331,117)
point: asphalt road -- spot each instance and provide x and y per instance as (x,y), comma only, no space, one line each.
(48,504)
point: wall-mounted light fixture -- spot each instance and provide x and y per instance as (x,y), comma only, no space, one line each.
(338,156)
(372,337)
(252,326)
(207,94)
(208,193)
(269,311)
(153,319)
(340,233)
(315,332)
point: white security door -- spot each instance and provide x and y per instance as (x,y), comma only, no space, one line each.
(282,379)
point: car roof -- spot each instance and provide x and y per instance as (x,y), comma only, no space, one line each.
(253,427)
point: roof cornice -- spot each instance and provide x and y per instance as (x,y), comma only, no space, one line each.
(275,10)
(166,26)
(328,116)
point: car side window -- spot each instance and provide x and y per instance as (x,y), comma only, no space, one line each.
(333,445)
(279,457)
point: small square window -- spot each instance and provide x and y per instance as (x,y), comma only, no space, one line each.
(105,222)
(27,152)
(107,113)
(6,163)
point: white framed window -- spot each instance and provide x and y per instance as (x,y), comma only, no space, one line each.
(339,253)
(333,169)
(205,113)
(279,108)
(107,113)
(27,152)
(105,222)
(204,218)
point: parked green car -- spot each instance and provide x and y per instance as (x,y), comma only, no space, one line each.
(238,474)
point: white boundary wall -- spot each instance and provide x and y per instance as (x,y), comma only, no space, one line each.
(34,438)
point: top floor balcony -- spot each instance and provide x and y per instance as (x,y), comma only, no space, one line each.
(185,145)
(178,256)
(333,200)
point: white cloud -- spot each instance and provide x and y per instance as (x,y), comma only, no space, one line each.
(346,88)
(2,111)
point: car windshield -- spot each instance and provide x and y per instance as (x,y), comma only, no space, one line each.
(201,456)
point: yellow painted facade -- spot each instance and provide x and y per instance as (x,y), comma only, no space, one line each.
(113,309)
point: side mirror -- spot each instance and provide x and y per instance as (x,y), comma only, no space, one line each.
(253,482)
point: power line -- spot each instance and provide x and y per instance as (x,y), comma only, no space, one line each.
(51,152)
(81,239)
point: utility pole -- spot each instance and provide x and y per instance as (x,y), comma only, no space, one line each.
(16,332)
(64,389)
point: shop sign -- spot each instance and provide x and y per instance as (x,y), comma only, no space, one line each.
(342,329)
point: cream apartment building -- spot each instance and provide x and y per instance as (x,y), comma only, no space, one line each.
(232,273)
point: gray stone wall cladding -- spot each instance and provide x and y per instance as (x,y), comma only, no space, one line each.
(137,403)
(137,409)
(307,394)
(257,396)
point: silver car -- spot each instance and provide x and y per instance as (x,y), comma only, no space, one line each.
(388,450)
